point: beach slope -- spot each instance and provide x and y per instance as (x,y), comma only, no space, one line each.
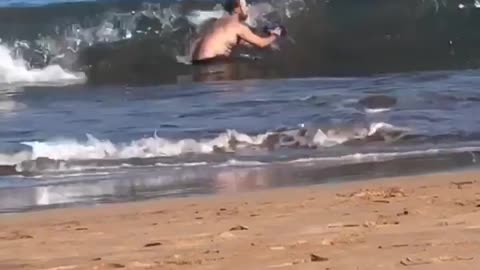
(417,222)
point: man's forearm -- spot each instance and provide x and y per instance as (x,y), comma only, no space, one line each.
(267,41)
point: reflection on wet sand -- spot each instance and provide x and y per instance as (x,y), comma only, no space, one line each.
(240,180)
(126,187)
(173,181)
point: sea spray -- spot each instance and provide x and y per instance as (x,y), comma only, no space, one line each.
(17,71)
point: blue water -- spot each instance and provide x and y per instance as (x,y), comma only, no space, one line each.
(160,138)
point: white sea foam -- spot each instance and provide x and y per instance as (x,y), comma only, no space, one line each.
(241,163)
(229,141)
(381,126)
(377,110)
(94,148)
(385,156)
(76,156)
(16,71)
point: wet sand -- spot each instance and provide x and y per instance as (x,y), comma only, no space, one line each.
(418,222)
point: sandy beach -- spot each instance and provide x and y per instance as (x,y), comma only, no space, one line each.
(418,222)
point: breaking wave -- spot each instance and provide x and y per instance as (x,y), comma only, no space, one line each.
(149,41)
(17,71)
(229,141)
(150,151)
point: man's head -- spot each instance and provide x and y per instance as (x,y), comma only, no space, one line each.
(239,7)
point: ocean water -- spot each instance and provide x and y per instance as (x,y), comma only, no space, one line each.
(98,101)
(30,3)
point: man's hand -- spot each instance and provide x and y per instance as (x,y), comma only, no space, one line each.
(277,31)
(246,34)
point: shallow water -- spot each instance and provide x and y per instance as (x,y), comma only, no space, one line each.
(82,144)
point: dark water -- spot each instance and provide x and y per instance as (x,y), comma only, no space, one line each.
(104,106)
(145,42)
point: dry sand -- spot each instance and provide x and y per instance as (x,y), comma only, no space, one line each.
(420,222)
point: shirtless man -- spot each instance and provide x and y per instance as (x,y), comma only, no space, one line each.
(228,32)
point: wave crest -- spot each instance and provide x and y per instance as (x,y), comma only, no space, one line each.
(142,42)
(17,71)
(148,151)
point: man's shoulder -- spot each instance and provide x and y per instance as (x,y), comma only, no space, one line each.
(239,25)
(231,24)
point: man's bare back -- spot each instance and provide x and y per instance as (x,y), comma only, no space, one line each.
(220,40)
(228,32)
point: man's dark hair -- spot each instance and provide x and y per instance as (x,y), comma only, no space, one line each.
(231,5)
